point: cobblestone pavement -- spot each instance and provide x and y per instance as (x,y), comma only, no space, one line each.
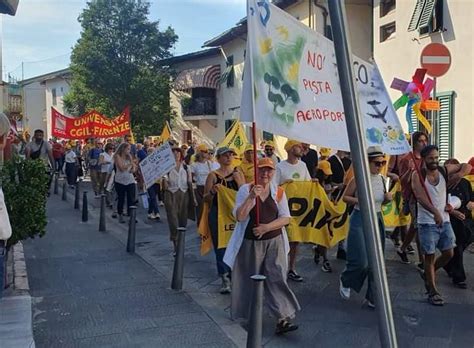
(87,290)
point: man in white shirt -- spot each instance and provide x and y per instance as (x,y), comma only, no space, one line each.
(292,169)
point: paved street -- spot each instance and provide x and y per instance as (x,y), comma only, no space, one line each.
(87,291)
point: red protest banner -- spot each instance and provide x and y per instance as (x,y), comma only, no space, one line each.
(90,125)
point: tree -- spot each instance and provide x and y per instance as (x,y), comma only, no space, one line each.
(116,62)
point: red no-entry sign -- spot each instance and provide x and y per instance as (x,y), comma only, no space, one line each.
(436,59)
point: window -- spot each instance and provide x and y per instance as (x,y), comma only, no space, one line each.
(387,31)
(53,94)
(444,127)
(228,125)
(387,6)
(427,16)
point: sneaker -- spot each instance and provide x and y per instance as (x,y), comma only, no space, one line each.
(460,285)
(410,249)
(403,256)
(292,275)
(326,267)
(121,219)
(369,304)
(344,292)
(341,254)
(114,215)
(226,284)
(421,266)
(284,326)
(161,204)
(157,216)
(152,216)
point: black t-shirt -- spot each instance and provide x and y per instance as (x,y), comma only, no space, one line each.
(311,160)
(338,169)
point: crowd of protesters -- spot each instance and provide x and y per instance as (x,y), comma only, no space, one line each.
(437,196)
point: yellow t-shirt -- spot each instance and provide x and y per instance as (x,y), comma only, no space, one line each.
(246,168)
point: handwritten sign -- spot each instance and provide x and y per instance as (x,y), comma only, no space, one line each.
(159,163)
(296,88)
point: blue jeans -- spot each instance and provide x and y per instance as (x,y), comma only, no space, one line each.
(357,257)
(152,201)
(3,254)
(222,268)
(433,236)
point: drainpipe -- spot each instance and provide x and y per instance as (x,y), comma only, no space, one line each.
(325,14)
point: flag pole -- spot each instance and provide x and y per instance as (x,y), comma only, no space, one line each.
(254,127)
(356,133)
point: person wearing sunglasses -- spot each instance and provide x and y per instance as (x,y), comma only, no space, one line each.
(357,261)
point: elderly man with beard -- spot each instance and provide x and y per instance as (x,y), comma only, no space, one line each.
(289,170)
(430,187)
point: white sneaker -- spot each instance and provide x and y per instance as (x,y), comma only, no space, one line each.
(151,216)
(161,204)
(344,292)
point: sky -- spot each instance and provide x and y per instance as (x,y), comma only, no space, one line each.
(43,32)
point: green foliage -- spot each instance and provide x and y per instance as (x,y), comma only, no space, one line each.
(277,99)
(24,183)
(116,62)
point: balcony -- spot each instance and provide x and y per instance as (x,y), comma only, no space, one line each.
(200,108)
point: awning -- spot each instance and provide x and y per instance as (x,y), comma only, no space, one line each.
(207,77)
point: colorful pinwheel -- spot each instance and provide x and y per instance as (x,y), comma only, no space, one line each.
(416,97)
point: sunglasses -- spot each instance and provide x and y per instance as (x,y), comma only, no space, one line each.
(379,163)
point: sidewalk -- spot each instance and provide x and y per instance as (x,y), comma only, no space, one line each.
(88,292)
(325,319)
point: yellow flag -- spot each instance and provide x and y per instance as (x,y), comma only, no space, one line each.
(204,231)
(166,133)
(226,221)
(314,218)
(392,212)
(132,140)
(236,139)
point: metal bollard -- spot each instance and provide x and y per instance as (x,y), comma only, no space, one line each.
(132,230)
(177,281)
(254,336)
(85,211)
(102,214)
(77,198)
(56,184)
(64,191)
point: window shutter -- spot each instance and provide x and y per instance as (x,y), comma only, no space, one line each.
(427,13)
(415,17)
(445,125)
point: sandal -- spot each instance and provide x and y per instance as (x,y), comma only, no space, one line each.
(284,326)
(435,299)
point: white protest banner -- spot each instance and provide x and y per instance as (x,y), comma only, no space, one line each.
(159,163)
(296,89)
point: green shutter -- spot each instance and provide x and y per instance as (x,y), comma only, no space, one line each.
(427,13)
(415,17)
(445,125)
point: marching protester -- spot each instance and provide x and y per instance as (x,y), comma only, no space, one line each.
(71,166)
(246,168)
(261,247)
(269,151)
(200,169)
(430,186)
(324,152)
(40,149)
(94,167)
(78,151)
(106,166)
(58,155)
(408,164)
(176,184)
(357,258)
(124,180)
(289,170)
(463,227)
(153,191)
(310,157)
(225,176)
(340,164)
(323,174)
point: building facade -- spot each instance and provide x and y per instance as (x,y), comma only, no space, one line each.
(39,94)
(392,32)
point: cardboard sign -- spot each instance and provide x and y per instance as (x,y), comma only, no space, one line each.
(159,163)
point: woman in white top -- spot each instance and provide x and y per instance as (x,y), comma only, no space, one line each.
(105,162)
(176,184)
(124,179)
(357,260)
(71,166)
